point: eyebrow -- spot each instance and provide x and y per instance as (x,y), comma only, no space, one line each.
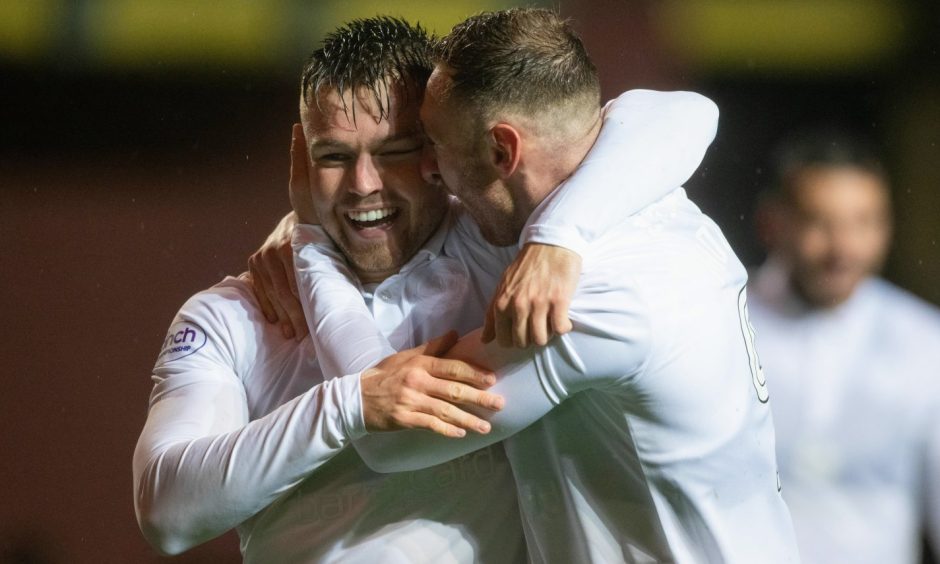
(336,144)
(402,135)
(321,143)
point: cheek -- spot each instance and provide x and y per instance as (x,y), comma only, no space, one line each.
(403,174)
(324,188)
(811,243)
(449,170)
(874,243)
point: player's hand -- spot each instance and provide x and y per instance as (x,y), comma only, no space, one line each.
(271,273)
(415,389)
(271,268)
(301,199)
(531,303)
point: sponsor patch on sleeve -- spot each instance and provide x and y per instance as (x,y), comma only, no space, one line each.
(183,339)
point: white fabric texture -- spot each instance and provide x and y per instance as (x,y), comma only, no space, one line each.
(659,445)
(856,399)
(243,431)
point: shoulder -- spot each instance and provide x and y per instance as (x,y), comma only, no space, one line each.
(466,243)
(905,312)
(227,305)
(222,325)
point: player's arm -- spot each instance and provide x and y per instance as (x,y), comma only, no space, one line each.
(650,143)
(271,267)
(533,381)
(201,467)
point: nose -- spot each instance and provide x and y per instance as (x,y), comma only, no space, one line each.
(366,177)
(429,170)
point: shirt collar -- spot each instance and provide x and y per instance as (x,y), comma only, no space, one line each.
(434,246)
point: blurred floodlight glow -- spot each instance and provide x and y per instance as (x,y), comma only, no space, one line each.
(437,17)
(180,32)
(776,35)
(28,27)
(166,34)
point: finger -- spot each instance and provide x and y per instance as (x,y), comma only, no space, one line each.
(489,324)
(561,324)
(299,183)
(539,323)
(289,295)
(261,293)
(450,414)
(458,393)
(502,322)
(272,292)
(520,325)
(449,370)
(504,327)
(431,423)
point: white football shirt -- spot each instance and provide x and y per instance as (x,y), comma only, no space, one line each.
(659,445)
(243,431)
(856,400)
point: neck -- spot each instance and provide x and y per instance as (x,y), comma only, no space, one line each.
(555,160)
(373,276)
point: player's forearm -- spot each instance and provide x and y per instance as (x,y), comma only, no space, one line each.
(194,481)
(518,382)
(345,335)
(650,144)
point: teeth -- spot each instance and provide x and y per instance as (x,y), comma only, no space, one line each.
(372,215)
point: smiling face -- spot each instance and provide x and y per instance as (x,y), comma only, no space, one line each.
(835,231)
(366,182)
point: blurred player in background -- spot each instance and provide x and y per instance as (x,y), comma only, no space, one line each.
(852,361)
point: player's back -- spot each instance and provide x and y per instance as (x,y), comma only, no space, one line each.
(670,455)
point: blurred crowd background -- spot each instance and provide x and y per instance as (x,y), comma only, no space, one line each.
(144,156)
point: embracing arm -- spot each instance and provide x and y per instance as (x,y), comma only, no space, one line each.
(532,381)
(650,143)
(201,468)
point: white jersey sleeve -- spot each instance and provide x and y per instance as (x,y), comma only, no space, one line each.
(653,140)
(345,335)
(603,350)
(201,466)
(656,140)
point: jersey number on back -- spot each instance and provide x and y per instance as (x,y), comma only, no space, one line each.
(747,332)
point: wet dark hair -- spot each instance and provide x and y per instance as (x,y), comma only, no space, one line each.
(521,58)
(825,146)
(370,53)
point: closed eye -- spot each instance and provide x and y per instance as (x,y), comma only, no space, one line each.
(332,158)
(402,151)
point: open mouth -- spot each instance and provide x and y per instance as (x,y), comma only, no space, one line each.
(372,218)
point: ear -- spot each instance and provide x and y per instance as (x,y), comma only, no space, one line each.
(505,148)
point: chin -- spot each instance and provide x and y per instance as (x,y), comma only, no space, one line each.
(829,295)
(499,235)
